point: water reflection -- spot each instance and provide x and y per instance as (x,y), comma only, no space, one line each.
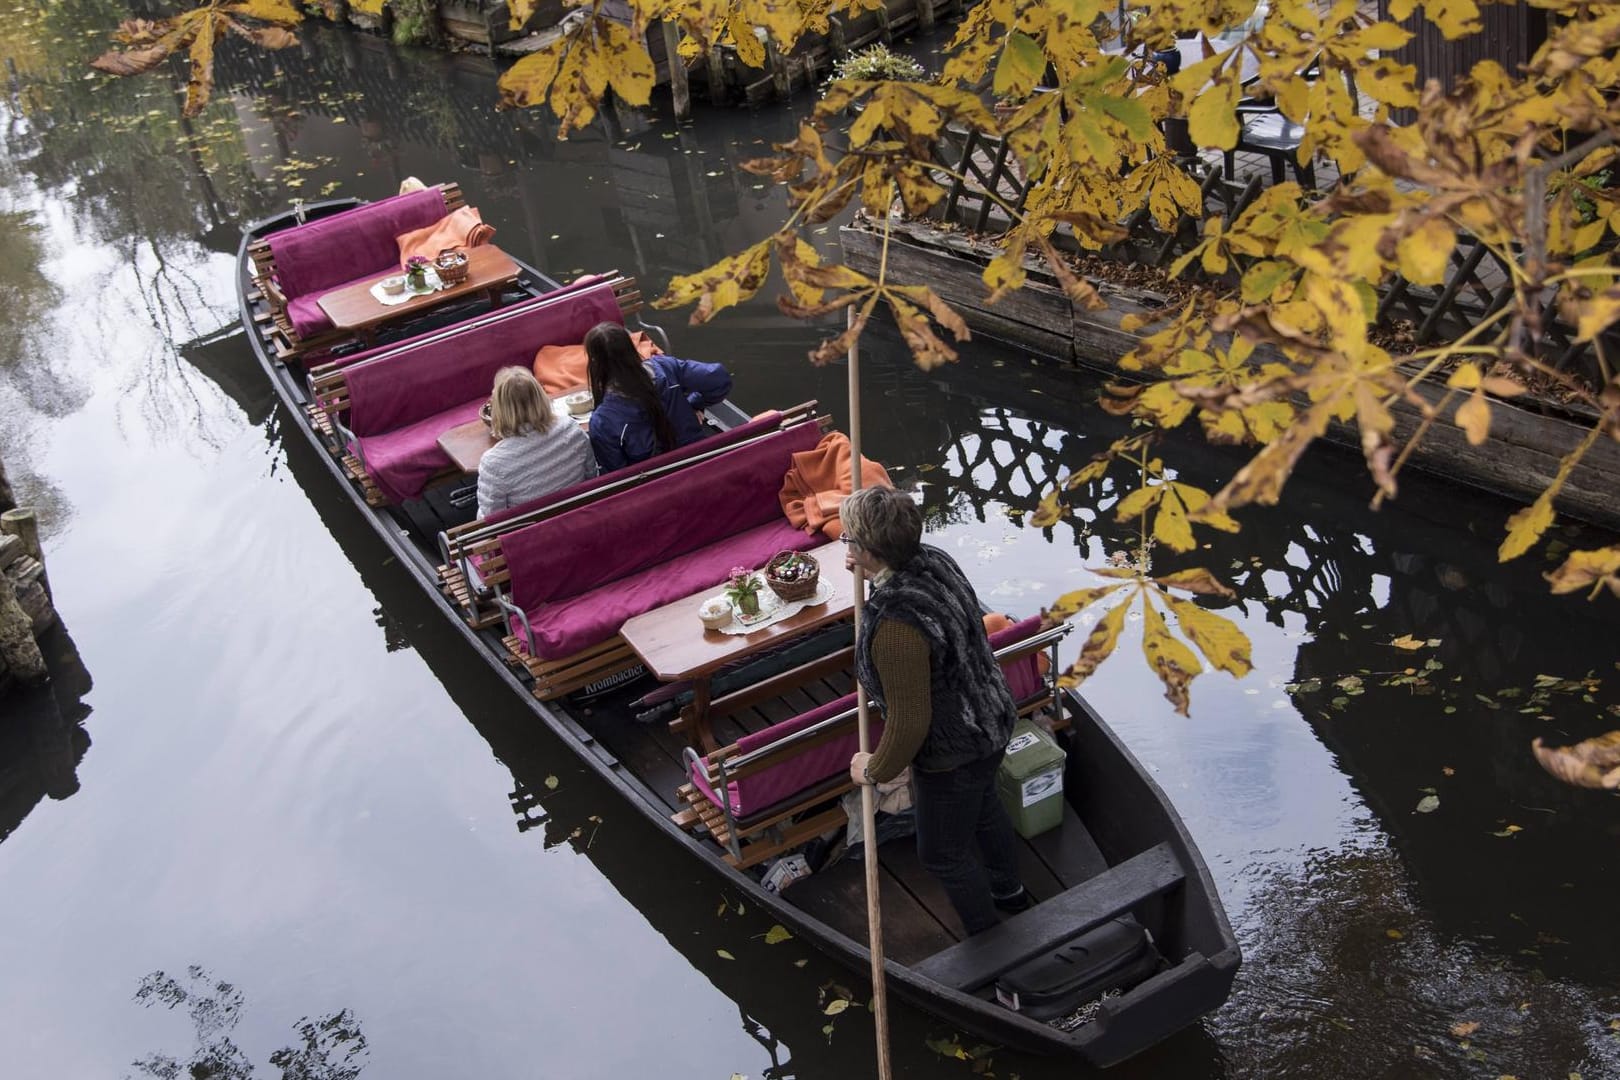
(1347,975)
(138,210)
(42,733)
(331,1048)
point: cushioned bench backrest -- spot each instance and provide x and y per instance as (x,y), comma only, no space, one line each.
(759,425)
(802,771)
(1023,673)
(646,526)
(400,388)
(340,248)
(392,347)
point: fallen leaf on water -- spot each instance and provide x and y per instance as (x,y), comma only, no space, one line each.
(1509,831)
(1393,934)
(777,934)
(1407,641)
(1465,1028)
(800,963)
(1428,804)
(836,1006)
(723,954)
(1448,770)
(1593,763)
(551,783)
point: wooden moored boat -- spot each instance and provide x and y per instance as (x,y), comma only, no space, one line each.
(752,766)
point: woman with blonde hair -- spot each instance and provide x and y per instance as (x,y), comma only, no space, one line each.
(535,453)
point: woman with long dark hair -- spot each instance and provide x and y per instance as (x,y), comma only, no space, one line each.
(644,407)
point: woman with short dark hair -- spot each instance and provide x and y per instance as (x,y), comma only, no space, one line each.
(644,407)
(924,657)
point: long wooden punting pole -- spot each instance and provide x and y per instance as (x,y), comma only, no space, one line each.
(874,915)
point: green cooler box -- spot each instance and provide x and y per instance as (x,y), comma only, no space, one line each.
(1030,780)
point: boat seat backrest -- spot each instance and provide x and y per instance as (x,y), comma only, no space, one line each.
(412,384)
(759,425)
(646,526)
(773,779)
(1025,678)
(322,254)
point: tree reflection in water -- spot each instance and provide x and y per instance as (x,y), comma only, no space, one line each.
(1346,976)
(331,1048)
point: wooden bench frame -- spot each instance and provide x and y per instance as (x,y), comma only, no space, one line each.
(790,823)
(476,539)
(279,332)
(329,389)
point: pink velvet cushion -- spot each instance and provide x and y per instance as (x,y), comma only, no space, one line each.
(326,253)
(400,387)
(510,311)
(793,774)
(305,311)
(802,771)
(759,425)
(402,461)
(566,626)
(1023,674)
(647,526)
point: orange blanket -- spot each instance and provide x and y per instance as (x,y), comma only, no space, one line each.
(463,228)
(561,368)
(817,482)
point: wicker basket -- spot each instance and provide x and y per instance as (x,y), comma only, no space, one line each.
(799,587)
(451,266)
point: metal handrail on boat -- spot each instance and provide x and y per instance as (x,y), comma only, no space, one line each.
(512,609)
(1044,639)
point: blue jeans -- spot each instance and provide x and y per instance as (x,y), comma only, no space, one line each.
(956,809)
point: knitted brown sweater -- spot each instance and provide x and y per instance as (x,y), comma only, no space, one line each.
(900,654)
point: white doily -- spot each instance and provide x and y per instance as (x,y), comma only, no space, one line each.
(773,609)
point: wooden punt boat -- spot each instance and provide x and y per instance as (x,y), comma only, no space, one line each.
(1121,851)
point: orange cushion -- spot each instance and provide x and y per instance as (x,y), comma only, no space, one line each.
(463,229)
(561,368)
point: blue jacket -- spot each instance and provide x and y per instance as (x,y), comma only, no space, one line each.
(622,435)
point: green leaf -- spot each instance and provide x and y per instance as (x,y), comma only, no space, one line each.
(777,934)
(1021,65)
(1128,111)
(723,954)
(1428,804)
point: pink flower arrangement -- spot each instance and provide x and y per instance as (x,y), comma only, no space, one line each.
(742,587)
(416,262)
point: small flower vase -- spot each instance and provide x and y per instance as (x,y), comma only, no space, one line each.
(416,278)
(748,603)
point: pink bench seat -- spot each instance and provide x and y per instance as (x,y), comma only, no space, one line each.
(402,461)
(401,400)
(567,626)
(305,311)
(580,574)
(759,794)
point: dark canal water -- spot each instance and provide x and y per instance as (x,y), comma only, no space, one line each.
(277,765)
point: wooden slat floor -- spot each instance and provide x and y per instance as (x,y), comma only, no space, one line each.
(918,918)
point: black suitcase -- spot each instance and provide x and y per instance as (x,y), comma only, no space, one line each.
(1115,956)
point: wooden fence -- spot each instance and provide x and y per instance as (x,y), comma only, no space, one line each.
(1478,283)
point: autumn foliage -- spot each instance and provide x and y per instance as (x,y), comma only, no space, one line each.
(1278,344)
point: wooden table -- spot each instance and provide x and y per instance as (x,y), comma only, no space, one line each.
(466,444)
(489,269)
(676,646)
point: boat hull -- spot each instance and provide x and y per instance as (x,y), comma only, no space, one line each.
(1099,764)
